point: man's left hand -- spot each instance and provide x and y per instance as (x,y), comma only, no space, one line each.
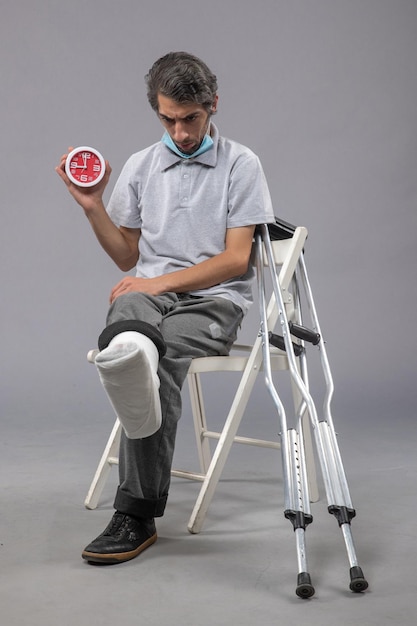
(130,284)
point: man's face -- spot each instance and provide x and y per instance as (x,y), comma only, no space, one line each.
(186,123)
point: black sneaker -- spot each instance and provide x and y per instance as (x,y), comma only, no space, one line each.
(123,539)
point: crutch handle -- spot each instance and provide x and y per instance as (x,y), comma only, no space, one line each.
(278,342)
(304,333)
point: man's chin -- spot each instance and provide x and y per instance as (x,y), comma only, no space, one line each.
(189,149)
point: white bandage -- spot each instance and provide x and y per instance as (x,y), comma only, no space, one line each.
(128,371)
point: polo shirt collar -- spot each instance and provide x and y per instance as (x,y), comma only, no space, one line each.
(169,158)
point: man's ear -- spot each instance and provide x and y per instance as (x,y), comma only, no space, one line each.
(214,105)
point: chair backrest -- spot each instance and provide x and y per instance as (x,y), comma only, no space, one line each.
(286,253)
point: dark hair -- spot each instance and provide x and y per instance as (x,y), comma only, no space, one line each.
(182,77)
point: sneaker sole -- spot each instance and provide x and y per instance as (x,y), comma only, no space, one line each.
(117,557)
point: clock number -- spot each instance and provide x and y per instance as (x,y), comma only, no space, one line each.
(83,178)
(96,168)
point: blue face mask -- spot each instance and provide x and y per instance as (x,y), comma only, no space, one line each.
(205,145)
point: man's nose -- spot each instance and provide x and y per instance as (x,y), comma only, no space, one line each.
(179,132)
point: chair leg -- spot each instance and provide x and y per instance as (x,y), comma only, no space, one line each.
(200,422)
(108,458)
(226,440)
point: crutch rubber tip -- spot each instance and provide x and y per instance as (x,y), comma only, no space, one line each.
(304,587)
(357,580)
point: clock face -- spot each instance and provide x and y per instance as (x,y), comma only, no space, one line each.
(85,166)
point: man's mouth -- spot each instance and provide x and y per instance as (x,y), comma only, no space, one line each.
(186,147)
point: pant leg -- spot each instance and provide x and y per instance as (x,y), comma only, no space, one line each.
(191,327)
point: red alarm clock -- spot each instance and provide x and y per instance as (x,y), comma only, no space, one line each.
(85,166)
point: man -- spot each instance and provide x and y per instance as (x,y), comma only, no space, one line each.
(183,213)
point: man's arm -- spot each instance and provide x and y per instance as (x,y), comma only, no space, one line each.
(121,244)
(228,264)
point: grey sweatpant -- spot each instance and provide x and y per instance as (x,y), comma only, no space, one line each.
(191,327)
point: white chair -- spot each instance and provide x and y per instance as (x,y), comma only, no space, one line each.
(248,361)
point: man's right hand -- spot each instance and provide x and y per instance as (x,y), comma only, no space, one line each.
(88,197)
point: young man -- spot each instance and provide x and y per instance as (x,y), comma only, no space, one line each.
(183,213)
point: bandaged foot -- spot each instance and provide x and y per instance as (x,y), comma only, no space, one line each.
(128,371)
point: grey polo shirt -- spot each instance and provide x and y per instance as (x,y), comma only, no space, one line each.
(184,207)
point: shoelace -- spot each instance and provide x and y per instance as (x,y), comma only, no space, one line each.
(116,525)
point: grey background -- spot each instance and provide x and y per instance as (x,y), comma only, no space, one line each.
(323,91)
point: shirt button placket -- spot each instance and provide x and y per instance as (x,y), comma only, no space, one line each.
(185,183)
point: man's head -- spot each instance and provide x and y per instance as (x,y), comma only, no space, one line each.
(184,78)
(183,92)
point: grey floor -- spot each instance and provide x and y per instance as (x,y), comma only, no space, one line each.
(240,569)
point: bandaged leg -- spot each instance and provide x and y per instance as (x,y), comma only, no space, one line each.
(128,367)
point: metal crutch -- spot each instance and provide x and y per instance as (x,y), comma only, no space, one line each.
(297,501)
(337,490)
